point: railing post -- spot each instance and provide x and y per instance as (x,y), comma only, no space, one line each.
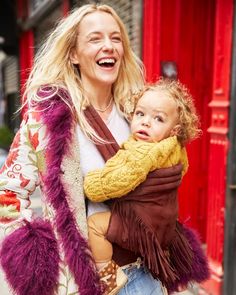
(219,144)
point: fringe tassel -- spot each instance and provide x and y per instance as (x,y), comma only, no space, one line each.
(144,242)
(182,262)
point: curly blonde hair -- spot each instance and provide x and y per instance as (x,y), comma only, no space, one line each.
(188,118)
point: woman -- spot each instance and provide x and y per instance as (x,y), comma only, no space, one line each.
(87,60)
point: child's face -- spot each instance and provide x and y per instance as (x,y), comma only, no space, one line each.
(155,117)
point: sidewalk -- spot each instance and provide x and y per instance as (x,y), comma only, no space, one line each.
(194,289)
(36,202)
(187,292)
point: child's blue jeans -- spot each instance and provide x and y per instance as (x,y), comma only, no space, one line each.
(141,282)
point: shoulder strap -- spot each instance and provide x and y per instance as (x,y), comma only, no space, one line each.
(107,150)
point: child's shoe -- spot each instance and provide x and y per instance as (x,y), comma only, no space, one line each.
(113,277)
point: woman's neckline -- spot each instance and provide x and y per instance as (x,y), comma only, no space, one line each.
(106,108)
(107,118)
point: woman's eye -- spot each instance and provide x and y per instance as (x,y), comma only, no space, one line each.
(94,39)
(116,39)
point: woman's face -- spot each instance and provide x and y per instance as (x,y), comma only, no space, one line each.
(99,49)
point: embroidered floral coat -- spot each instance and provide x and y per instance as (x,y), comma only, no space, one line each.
(45,153)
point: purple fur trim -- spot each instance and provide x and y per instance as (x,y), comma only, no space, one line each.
(29,256)
(200,269)
(59,122)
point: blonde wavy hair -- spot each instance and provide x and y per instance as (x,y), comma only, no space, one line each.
(188,118)
(53,67)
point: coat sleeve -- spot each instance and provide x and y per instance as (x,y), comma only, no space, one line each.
(19,176)
(129,167)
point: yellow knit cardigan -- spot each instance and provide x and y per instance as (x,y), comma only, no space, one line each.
(130,167)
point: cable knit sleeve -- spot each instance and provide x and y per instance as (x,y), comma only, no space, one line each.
(129,167)
(121,174)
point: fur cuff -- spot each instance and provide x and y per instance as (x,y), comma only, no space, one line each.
(29,256)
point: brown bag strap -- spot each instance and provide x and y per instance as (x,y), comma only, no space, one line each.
(107,150)
(120,255)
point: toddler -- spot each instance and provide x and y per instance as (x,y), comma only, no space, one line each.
(163,121)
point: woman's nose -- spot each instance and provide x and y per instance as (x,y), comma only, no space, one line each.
(108,45)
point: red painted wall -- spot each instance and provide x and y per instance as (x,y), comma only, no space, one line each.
(218,132)
(26,42)
(197,35)
(183,32)
(26,48)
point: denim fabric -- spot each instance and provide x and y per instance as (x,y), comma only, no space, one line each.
(140,282)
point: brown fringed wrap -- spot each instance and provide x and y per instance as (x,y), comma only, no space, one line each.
(145,222)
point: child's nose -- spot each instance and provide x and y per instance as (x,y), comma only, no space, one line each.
(146,122)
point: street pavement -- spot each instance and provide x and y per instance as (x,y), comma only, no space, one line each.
(36,202)
(187,292)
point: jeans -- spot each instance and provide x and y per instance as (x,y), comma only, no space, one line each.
(141,282)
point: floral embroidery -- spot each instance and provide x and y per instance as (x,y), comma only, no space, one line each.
(34,139)
(41,161)
(21,164)
(9,206)
(15,171)
(24,181)
(9,198)
(36,116)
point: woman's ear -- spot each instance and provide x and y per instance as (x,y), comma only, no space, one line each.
(74,57)
(176,130)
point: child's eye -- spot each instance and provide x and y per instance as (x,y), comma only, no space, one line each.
(139,113)
(159,119)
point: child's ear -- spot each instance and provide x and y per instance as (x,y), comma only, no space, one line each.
(175,130)
(73,57)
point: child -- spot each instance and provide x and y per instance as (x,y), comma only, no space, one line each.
(163,121)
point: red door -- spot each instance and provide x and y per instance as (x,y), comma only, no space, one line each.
(219,142)
(197,36)
(183,32)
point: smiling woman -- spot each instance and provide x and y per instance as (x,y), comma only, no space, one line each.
(78,95)
(98,55)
